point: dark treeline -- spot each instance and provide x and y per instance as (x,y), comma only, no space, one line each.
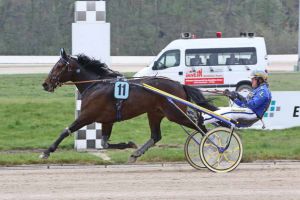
(144,27)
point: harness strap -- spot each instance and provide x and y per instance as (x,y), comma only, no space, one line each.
(119,107)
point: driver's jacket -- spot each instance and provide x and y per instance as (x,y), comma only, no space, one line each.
(258,101)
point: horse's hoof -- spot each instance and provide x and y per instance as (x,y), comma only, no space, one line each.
(44,156)
(132,159)
(104,145)
(132,145)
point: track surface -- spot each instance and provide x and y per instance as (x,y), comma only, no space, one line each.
(267,180)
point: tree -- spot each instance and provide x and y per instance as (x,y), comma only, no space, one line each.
(143,27)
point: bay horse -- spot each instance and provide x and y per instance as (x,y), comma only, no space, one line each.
(95,82)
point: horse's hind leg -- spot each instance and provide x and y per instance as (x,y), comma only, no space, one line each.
(154,122)
(106,132)
(175,115)
(187,122)
(76,125)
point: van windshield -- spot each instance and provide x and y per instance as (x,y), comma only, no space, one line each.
(168,59)
(221,56)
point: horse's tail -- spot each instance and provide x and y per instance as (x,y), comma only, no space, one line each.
(196,95)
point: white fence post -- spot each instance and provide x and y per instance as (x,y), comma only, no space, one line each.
(90,36)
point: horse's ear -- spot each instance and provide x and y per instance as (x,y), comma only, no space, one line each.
(63,53)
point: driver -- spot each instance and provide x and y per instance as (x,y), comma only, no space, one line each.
(251,108)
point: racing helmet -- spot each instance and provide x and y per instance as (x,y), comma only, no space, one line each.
(259,74)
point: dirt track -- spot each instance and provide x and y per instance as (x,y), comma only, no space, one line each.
(172,181)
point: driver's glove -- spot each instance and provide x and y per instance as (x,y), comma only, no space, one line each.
(232,95)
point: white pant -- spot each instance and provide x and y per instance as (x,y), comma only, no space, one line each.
(235,113)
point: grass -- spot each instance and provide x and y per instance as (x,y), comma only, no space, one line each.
(284,81)
(30,120)
(268,145)
(29,116)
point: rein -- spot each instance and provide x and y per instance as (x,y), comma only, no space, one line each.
(96,80)
(105,80)
(81,82)
(213,92)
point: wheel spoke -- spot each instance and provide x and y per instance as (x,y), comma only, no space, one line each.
(233,150)
(218,160)
(209,156)
(227,159)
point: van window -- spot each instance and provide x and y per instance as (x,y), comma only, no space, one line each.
(168,59)
(221,56)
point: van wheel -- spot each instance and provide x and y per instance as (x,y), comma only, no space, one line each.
(244,90)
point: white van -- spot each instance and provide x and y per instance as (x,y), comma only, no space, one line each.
(212,63)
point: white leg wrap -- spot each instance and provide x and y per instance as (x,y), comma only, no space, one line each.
(68,131)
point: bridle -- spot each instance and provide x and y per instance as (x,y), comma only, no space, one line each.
(66,63)
(55,78)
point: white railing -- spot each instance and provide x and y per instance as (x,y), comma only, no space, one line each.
(119,60)
(42,64)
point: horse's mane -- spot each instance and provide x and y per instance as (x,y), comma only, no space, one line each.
(96,66)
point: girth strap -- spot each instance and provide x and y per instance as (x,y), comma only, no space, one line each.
(118,108)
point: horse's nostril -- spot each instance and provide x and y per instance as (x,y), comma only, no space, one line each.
(45,86)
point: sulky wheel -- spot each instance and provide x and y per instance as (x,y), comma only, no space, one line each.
(191,150)
(214,154)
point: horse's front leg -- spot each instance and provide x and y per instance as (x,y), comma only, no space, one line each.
(76,125)
(106,132)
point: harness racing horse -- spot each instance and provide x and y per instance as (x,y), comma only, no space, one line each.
(95,81)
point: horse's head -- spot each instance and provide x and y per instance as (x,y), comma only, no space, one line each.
(61,72)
